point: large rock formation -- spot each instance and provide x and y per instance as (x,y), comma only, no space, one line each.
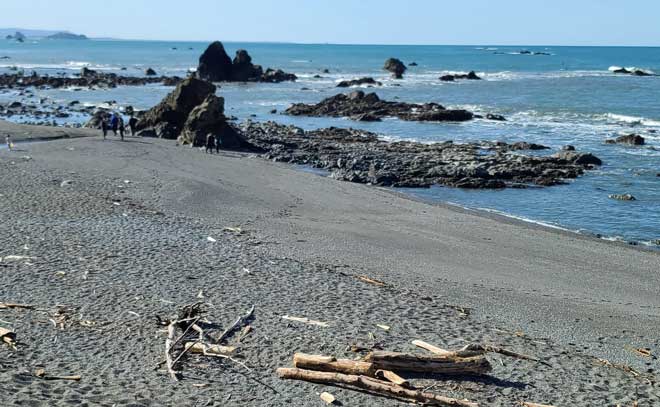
(216,66)
(362,157)
(189,114)
(369,107)
(359,82)
(396,67)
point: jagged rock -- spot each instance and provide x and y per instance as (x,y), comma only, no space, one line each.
(578,158)
(214,64)
(207,118)
(523,145)
(277,75)
(150,72)
(357,104)
(97,117)
(176,107)
(362,157)
(623,197)
(243,70)
(396,67)
(629,139)
(87,73)
(451,78)
(495,117)
(359,82)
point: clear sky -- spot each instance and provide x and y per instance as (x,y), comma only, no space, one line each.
(501,22)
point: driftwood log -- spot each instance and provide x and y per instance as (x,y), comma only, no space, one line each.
(437,364)
(473,350)
(392,377)
(331,364)
(372,385)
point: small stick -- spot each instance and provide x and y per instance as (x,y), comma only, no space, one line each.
(171,331)
(242,320)
(41,373)
(392,377)
(431,348)
(371,281)
(528,404)
(6,305)
(306,321)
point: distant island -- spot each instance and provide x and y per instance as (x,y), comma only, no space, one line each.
(64,35)
(20,35)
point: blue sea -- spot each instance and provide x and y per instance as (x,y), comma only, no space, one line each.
(567,97)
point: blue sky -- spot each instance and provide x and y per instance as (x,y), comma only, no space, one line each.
(502,22)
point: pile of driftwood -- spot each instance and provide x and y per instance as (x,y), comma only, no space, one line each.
(379,372)
(195,337)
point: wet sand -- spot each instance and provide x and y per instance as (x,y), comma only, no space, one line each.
(117,253)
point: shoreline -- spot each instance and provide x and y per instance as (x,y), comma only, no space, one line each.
(54,133)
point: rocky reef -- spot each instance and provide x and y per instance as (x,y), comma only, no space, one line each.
(369,107)
(362,157)
(216,66)
(87,78)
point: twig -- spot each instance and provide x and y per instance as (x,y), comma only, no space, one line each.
(242,320)
(5,305)
(306,321)
(171,331)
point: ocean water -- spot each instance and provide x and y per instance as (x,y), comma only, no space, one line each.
(567,97)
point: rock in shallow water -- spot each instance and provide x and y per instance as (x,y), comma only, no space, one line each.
(358,104)
(362,157)
(628,139)
(396,67)
(623,197)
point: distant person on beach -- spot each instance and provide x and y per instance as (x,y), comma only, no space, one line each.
(114,123)
(104,127)
(132,124)
(122,128)
(10,145)
(218,143)
(210,143)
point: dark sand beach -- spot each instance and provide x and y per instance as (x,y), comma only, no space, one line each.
(114,233)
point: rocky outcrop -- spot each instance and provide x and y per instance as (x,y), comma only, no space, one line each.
(628,139)
(150,72)
(469,76)
(578,158)
(216,66)
(359,82)
(362,157)
(87,78)
(622,197)
(189,114)
(173,111)
(369,107)
(396,67)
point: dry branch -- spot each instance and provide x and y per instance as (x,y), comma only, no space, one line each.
(204,349)
(392,377)
(474,350)
(5,305)
(242,320)
(331,364)
(528,404)
(169,343)
(41,373)
(438,364)
(371,281)
(372,386)
(306,321)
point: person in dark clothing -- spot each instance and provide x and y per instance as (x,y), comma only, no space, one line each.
(218,143)
(114,123)
(122,128)
(104,127)
(132,124)
(210,143)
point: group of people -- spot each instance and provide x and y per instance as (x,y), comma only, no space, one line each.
(115,122)
(213,142)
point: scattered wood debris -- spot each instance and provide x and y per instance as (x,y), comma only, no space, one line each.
(233,229)
(328,398)
(306,321)
(41,373)
(9,337)
(371,281)
(648,379)
(6,305)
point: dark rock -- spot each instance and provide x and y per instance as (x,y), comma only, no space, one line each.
(326,71)
(357,104)
(451,78)
(317,77)
(412,64)
(274,111)
(623,197)
(176,106)
(14,105)
(242,68)
(277,75)
(358,82)
(150,72)
(584,159)
(523,145)
(495,117)
(568,148)
(87,73)
(362,157)
(214,64)
(209,118)
(396,67)
(629,139)
(5,57)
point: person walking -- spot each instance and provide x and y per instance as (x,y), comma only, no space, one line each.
(104,127)
(210,143)
(114,123)
(218,143)
(132,124)
(122,128)
(10,145)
